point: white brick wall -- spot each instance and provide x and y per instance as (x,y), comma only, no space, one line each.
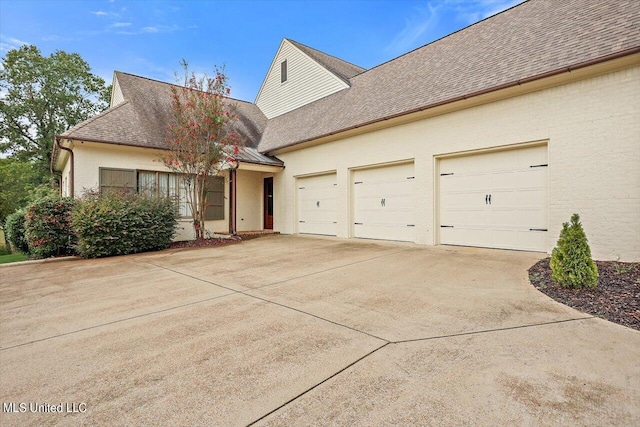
(593,133)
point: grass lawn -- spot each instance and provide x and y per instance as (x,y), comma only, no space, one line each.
(12,258)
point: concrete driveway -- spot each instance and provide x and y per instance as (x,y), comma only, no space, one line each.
(289,330)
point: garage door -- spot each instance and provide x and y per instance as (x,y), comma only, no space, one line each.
(383,203)
(317,204)
(495,200)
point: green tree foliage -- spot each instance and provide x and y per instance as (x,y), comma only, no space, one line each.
(43,97)
(123,223)
(200,138)
(48,227)
(571,263)
(17,181)
(15,232)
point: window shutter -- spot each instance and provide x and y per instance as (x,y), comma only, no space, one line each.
(117,179)
(215,198)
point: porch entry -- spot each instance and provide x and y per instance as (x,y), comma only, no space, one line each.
(268,203)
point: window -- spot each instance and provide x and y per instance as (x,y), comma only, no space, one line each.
(215,198)
(283,71)
(164,184)
(117,179)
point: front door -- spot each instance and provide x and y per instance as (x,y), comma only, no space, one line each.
(268,203)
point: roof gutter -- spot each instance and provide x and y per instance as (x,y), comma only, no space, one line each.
(515,83)
(124,144)
(71,166)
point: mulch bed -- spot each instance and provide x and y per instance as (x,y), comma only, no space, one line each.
(202,243)
(615,298)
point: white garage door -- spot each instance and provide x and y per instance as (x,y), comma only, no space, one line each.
(495,200)
(383,203)
(317,204)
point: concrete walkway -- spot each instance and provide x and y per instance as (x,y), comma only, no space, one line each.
(287,330)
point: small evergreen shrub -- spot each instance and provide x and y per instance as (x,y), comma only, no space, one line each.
(571,263)
(118,223)
(15,232)
(48,227)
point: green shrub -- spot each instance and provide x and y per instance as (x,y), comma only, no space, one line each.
(120,223)
(48,227)
(571,263)
(15,232)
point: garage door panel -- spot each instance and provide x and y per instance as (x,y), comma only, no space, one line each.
(466,236)
(517,184)
(317,205)
(471,182)
(518,239)
(383,203)
(460,198)
(385,232)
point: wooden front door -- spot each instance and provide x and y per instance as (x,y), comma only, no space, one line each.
(268,203)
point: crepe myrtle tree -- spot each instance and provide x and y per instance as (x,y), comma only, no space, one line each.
(200,138)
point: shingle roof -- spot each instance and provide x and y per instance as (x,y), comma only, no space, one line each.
(342,69)
(534,38)
(142,118)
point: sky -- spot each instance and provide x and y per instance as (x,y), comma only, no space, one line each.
(149,38)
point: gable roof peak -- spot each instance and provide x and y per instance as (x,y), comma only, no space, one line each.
(342,69)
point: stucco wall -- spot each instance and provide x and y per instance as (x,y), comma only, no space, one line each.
(90,157)
(592,128)
(249,194)
(65,180)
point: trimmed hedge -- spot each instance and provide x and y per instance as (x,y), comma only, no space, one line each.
(15,233)
(118,223)
(48,227)
(571,263)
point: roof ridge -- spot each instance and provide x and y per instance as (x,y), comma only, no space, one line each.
(327,54)
(94,118)
(443,37)
(172,84)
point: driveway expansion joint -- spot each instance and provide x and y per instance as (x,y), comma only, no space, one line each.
(485,331)
(330,269)
(293,399)
(191,277)
(316,316)
(116,321)
(245,293)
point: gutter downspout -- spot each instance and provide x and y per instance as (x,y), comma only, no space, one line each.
(71,166)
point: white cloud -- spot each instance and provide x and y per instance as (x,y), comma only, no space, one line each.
(426,23)
(150,30)
(9,43)
(153,29)
(500,6)
(472,11)
(422,20)
(102,13)
(120,24)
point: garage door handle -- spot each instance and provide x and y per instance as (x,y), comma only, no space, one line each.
(489,198)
